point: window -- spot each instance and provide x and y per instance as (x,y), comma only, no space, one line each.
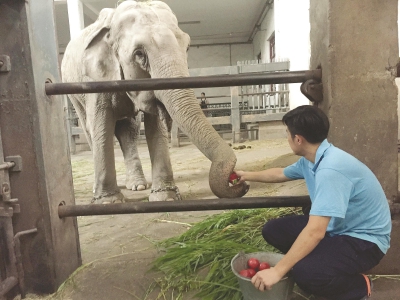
(272,47)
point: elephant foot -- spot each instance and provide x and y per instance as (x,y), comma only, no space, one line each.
(170,193)
(136,184)
(108,199)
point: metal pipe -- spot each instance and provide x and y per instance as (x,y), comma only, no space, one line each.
(186,205)
(18,256)
(7,165)
(182,82)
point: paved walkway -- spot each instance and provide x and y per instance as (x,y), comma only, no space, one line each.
(384,288)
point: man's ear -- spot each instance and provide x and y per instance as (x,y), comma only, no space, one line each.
(298,139)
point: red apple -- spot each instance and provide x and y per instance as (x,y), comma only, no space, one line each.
(253,263)
(233,178)
(263,266)
(245,273)
(251,272)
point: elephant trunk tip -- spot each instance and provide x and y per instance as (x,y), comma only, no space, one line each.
(219,181)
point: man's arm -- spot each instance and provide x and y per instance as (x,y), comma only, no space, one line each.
(269,175)
(307,240)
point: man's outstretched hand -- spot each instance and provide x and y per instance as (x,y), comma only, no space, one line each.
(241,176)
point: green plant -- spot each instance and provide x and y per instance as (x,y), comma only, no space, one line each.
(200,258)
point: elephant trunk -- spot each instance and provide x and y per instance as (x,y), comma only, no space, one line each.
(185,110)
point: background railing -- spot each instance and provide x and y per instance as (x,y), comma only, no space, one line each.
(229,110)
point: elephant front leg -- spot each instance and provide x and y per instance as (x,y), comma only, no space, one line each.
(127,133)
(101,124)
(163,185)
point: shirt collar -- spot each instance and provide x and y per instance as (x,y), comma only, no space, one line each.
(320,154)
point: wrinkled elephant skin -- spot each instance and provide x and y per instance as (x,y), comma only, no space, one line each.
(140,40)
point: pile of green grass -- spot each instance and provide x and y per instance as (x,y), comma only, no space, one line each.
(199,260)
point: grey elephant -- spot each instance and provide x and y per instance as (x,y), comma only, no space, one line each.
(141,40)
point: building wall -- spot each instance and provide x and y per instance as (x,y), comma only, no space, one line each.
(290,22)
(260,42)
(292,40)
(218,56)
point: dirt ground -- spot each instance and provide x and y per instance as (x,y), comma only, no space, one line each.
(117,251)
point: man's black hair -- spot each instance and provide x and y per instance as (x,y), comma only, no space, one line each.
(308,121)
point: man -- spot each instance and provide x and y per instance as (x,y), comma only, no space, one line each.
(203,101)
(347,231)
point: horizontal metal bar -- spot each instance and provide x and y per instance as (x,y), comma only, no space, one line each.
(264,93)
(186,205)
(7,165)
(182,82)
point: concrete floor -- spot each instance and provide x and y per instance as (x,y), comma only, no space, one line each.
(384,288)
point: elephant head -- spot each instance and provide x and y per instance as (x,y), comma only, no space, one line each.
(144,41)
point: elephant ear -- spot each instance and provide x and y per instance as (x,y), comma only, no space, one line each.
(103,23)
(100,62)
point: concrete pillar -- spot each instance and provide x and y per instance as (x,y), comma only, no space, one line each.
(75,17)
(356,44)
(76,24)
(32,126)
(235,114)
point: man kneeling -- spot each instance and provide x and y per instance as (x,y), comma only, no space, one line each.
(347,231)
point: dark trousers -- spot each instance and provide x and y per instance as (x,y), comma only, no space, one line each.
(332,270)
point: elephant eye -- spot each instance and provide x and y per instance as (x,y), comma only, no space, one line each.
(140,57)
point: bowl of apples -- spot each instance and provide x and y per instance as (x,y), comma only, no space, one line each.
(246,265)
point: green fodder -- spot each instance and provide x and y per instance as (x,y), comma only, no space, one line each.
(200,258)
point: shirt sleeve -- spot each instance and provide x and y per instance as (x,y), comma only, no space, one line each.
(295,171)
(332,194)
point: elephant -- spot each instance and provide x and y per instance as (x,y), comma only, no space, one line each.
(141,39)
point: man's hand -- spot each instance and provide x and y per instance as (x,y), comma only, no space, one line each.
(241,176)
(265,279)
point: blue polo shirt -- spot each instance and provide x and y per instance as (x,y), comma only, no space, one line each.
(343,188)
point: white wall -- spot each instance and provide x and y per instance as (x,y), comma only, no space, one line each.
(260,40)
(292,40)
(218,56)
(290,21)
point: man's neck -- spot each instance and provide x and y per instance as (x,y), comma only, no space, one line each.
(310,151)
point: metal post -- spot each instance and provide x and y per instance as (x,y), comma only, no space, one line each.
(33,127)
(235,115)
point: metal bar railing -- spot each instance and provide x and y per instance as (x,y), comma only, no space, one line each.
(187,205)
(7,165)
(182,82)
